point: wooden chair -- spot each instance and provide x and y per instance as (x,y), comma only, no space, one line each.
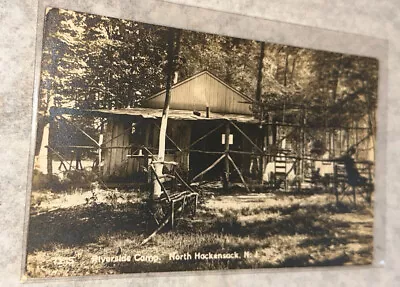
(346,187)
(177,194)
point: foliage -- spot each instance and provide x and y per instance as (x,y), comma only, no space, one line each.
(91,61)
(42,181)
(98,62)
(70,180)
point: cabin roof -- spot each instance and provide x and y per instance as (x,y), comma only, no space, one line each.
(200,92)
(162,92)
(150,113)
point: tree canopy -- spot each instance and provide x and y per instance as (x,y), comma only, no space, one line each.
(91,61)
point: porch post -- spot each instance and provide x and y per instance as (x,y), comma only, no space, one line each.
(262,146)
(226,175)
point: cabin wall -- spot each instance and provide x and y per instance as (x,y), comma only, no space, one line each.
(180,132)
(201,92)
(118,135)
(117,140)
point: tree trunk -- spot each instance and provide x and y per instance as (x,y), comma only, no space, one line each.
(258,99)
(44,157)
(293,68)
(286,69)
(157,190)
(259,72)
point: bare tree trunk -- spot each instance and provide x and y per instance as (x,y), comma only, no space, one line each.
(42,162)
(258,99)
(286,69)
(259,72)
(157,191)
(293,68)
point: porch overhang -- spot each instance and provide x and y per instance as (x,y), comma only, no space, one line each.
(151,113)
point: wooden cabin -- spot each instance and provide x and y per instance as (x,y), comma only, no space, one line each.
(211,133)
(201,109)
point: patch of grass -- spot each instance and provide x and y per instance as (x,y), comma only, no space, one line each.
(283,231)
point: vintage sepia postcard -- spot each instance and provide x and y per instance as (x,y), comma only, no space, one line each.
(160,149)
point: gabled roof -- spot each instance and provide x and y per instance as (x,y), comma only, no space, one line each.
(162,92)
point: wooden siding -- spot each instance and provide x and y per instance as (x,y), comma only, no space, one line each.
(116,162)
(200,92)
(180,132)
(118,136)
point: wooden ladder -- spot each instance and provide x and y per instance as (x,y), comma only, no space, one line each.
(280,169)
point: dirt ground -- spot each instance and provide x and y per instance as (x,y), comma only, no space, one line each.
(68,232)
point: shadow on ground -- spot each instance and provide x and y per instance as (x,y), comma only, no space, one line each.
(77,226)
(315,224)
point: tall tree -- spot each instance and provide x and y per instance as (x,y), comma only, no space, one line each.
(173,52)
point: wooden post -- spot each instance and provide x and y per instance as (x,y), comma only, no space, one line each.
(333,144)
(187,160)
(195,204)
(300,154)
(101,140)
(302,145)
(172,214)
(226,177)
(239,172)
(356,153)
(267,137)
(77,158)
(146,154)
(274,131)
(261,163)
(335,183)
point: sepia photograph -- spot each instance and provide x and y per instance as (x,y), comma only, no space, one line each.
(160,149)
